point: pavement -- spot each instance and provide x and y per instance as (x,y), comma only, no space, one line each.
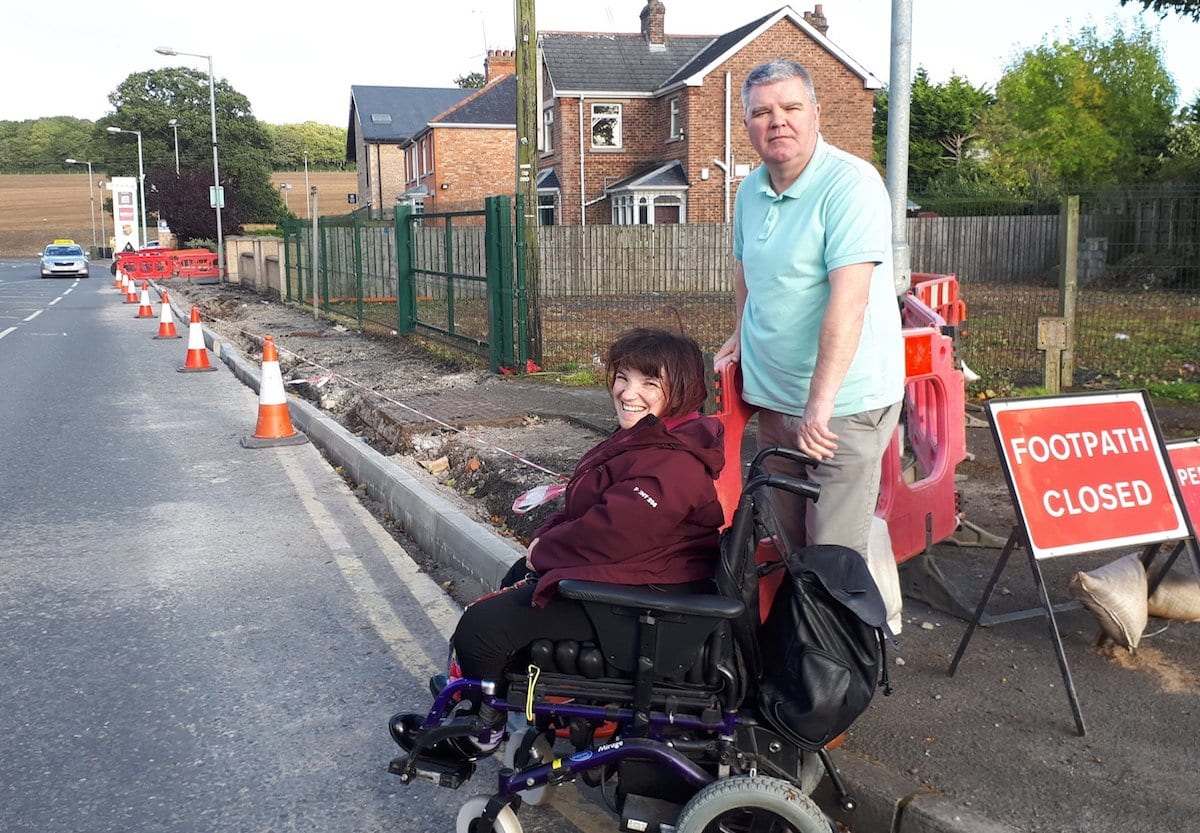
(992,749)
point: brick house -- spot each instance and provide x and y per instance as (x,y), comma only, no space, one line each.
(468,151)
(647,128)
(382,121)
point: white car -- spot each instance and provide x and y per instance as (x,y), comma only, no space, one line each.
(64,258)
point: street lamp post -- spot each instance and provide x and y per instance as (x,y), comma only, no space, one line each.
(91,195)
(212,107)
(285,187)
(174,125)
(141,178)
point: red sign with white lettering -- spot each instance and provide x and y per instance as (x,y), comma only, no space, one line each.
(1088,472)
(1185,461)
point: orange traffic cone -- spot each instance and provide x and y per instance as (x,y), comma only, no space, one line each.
(274,422)
(197,353)
(119,280)
(144,308)
(131,294)
(166,321)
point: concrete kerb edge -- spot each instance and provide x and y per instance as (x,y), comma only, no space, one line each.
(449,535)
(890,803)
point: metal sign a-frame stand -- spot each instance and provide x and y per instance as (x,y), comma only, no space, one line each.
(1147,512)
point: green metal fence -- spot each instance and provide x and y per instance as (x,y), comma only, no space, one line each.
(446,275)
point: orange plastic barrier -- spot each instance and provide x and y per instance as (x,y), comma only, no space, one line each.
(940,294)
(922,507)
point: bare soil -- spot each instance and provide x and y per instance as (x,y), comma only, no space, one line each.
(421,404)
(38,208)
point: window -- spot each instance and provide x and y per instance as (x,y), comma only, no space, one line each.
(676,124)
(606,125)
(657,209)
(425,168)
(547,208)
(548,128)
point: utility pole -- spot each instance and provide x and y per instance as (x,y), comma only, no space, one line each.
(527,120)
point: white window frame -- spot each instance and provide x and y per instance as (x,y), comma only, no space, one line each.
(675,130)
(605,114)
(552,206)
(425,166)
(636,208)
(548,128)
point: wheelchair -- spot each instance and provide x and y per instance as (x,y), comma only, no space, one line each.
(658,712)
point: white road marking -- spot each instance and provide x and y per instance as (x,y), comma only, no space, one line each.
(3,333)
(404,646)
(30,318)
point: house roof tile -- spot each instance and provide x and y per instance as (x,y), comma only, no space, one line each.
(494,104)
(615,62)
(404,110)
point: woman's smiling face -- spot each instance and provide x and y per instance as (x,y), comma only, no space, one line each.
(635,394)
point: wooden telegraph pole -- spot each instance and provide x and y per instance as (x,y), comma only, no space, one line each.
(527,118)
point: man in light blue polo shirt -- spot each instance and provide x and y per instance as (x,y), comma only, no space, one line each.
(818,324)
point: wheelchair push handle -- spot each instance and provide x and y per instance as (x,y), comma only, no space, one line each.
(803,488)
(792,454)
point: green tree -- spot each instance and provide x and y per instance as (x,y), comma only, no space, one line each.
(41,145)
(471,79)
(1183,8)
(147,101)
(1085,111)
(324,144)
(943,129)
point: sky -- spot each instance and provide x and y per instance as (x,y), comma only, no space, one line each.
(66,57)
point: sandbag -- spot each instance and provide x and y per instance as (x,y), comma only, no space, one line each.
(881,562)
(1116,595)
(1177,597)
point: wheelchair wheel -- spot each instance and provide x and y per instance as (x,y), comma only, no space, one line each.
(540,753)
(472,811)
(762,805)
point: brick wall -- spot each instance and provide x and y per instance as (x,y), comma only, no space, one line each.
(472,163)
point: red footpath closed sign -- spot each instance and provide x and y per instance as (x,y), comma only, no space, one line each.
(1088,472)
(1185,461)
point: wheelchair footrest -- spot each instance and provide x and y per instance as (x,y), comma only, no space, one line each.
(443,772)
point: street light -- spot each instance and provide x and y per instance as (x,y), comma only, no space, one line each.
(91,196)
(285,187)
(174,125)
(141,178)
(212,108)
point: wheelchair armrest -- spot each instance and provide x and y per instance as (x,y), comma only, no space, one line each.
(710,605)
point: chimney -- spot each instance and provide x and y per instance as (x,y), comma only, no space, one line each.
(816,19)
(499,62)
(654,22)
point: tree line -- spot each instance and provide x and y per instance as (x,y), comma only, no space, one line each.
(1077,113)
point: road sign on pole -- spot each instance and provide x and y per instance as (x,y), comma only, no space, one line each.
(216,196)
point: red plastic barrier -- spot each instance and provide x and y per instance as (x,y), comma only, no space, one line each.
(195,263)
(146,264)
(934,423)
(940,294)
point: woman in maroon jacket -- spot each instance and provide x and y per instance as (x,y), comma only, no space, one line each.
(641,508)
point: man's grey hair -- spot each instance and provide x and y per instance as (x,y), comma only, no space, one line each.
(781,69)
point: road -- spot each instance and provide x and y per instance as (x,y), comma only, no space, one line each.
(193,636)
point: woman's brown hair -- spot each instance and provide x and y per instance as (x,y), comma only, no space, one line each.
(674,358)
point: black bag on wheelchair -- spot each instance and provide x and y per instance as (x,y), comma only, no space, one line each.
(822,646)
